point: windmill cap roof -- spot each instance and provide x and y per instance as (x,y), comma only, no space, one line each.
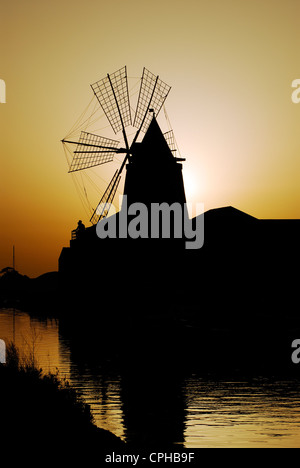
(154,144)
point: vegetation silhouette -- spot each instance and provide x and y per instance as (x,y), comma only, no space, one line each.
(43,416)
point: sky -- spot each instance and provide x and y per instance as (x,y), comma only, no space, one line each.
(230,64)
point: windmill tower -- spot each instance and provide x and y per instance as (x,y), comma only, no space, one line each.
(153,176)
(153,173)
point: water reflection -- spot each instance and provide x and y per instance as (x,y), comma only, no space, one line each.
(103,393)
(249,413)
(53,353)
(40,337)
(151,404)
(154,410)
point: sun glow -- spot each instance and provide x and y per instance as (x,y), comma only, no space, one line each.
(190,185)
(230,106)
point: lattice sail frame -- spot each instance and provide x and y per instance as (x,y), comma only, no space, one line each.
(153,93)
(112,94)
(170,139)
(92,150)
(104,205)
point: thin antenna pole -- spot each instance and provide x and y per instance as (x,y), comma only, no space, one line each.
(14,312)
(14,325)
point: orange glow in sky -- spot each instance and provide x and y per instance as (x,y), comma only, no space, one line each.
(231,65)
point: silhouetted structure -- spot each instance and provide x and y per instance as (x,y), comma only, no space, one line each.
(93,150)
(153,175)
(240,285)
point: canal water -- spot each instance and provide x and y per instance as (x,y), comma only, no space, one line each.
(202,411)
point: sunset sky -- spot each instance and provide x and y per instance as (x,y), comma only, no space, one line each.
(230,63)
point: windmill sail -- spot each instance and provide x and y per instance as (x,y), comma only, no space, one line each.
(104,205)
(112,94)
(153,93)
(92,150)
(169,136)
(113,97)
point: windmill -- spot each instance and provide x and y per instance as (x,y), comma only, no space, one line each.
(113,96)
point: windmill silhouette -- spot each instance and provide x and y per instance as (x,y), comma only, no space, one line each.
(145,181)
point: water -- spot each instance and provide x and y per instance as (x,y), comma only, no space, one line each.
(260,413)
(52,353)
(201,412)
